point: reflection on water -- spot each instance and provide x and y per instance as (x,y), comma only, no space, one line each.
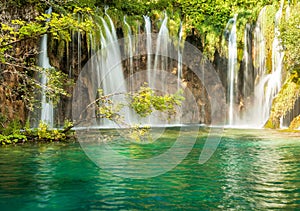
(251,170)
(263,173)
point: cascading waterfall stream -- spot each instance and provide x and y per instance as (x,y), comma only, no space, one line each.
(129,51)
(248,75)
(79,45)
(253,77)
(265,85)
(260,70)
(46,104)
(109,67)
(273,80)
(113,80)
(108,70)
(148,46)
(232,61)
(179,66)
(277,52)
(161,62)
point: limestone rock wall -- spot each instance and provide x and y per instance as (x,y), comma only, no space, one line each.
(11,79)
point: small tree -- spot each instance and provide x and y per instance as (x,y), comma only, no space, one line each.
(143,102)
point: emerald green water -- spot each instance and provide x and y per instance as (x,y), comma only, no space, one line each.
(250,170)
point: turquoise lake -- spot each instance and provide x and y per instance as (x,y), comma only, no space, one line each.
(250,170)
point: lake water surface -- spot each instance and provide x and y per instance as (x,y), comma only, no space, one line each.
(250,170)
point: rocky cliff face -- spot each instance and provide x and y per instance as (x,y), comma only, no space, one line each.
(11,76)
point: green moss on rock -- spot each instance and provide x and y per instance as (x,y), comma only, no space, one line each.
(295,124)
(284,101)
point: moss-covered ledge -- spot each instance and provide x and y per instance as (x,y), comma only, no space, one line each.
(295,124)
(285,101)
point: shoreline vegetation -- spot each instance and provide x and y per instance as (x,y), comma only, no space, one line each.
(44,136)
(143,102)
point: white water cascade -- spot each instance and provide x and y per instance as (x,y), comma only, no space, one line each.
(108,70)
(232,62)
(254,114)
(270,84)
(258,107)
(161,60)
(266,83)
(46,104)
(274,84)
(129,50)
(248,75)
(113,79)
(179,57)
(148,46)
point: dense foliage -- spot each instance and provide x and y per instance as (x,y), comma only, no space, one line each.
(209,18)
(16,133)
(290,36)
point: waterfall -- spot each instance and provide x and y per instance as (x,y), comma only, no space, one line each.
(148,46)
(232,62)
(272,81)
(113,79)
(251,111)
(248,76)
(46,104)
(179,55)
(109,67)
(250,100)
(129,51)
(79,45)
(161,60)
